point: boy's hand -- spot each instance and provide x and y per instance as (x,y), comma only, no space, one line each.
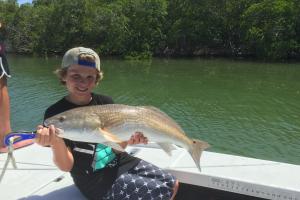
(137,138)
(46,136)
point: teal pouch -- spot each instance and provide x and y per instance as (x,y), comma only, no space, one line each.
(103,156)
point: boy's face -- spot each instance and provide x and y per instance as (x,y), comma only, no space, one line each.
(80,80)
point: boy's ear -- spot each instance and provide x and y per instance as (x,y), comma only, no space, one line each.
(63,78)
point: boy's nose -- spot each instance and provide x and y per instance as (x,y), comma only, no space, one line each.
(83,81)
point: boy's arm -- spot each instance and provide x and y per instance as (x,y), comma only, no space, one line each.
(62,156)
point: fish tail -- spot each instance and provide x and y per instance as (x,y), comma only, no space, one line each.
(196,150)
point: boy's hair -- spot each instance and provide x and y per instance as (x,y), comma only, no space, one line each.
(62,72)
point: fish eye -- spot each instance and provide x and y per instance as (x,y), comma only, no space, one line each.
(62,118)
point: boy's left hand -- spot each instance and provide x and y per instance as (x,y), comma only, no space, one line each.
(137,138)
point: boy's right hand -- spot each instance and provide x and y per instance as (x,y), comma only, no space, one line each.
(46,136)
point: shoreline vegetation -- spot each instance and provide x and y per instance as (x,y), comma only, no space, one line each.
(141,29)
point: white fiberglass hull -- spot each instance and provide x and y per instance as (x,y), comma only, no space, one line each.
(37,177)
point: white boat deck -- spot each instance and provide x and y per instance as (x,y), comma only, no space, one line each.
(36,177)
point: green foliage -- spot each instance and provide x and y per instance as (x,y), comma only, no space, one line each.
(191,25)
(144,27)
(7,12)
(21,30)
(138,29)
(138,55)
(271,28)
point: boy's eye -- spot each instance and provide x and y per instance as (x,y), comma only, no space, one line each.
(75,77)
(78,77)
(91,78)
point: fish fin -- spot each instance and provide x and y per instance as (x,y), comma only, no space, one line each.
(167,147)
(170,120)
(196,150)
(156,110)
(114,146)
(152,108)
(110,136)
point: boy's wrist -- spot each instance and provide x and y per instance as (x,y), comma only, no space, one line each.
(124,144)
(58,142)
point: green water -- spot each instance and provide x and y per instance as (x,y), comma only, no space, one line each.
(241,108)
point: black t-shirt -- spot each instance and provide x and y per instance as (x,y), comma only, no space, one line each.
(93,184)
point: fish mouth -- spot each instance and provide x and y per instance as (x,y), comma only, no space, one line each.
(46,123)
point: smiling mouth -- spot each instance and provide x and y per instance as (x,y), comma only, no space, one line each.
(82,90)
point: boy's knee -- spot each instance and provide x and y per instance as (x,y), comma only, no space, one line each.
(175,189)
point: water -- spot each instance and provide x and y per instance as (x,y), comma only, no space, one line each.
(242,108)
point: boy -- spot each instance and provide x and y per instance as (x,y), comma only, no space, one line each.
(97,170)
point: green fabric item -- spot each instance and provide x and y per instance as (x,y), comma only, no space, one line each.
(103,156)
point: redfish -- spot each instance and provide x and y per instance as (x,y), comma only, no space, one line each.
(114,123)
